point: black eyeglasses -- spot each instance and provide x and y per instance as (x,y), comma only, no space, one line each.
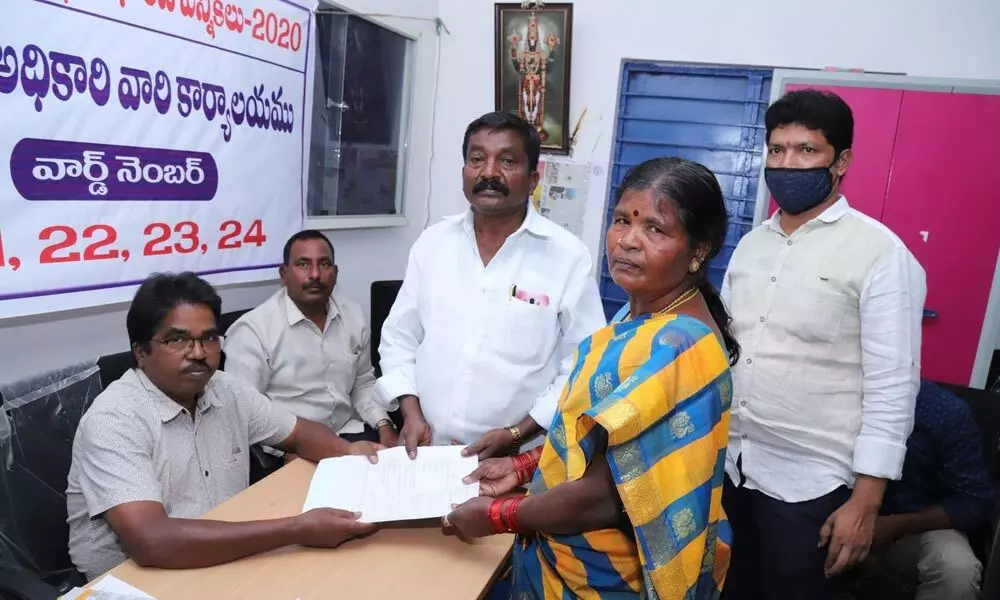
(179,344)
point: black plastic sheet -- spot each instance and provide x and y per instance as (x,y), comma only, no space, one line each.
(37,425)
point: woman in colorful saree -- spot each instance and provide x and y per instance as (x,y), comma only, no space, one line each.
(624,498)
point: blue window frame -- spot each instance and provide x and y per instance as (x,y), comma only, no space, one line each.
(712,115)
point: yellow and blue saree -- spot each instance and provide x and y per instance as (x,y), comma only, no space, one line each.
(661,388)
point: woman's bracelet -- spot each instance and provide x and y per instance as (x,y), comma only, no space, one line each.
(493,512)
(525,465)
(502,514)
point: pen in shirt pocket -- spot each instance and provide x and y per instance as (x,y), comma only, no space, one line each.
(513,292)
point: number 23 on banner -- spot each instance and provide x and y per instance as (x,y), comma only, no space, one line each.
(188,234)
(161,238)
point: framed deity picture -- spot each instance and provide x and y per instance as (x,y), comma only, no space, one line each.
(533,48)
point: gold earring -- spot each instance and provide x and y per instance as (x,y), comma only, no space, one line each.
(695,265)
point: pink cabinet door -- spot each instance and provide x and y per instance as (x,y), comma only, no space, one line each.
(876,112)
(944,203)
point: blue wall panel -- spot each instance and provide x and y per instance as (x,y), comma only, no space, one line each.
(712,115)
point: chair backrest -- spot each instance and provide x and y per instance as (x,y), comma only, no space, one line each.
(113,366)
(39,421)
(985,406)
(227,319)
(383,295)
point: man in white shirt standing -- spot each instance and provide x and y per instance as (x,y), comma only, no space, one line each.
(827,306)
(480,341)
(307,349)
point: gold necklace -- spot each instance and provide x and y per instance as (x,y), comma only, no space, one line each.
(680,300)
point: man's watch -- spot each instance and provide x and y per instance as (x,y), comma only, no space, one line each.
(515,445)
(385,423)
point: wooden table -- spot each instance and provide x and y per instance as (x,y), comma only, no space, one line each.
(405,561)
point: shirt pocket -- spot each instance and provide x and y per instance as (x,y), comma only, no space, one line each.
(811,315)
(340,361)
(523,332)
(746,302)
(814,339)
(235,475)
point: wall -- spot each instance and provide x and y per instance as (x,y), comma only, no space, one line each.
(367,255)
(917,37)
(39,343)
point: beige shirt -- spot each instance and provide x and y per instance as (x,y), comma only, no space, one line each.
(324,376)
(136,444)
(829,323)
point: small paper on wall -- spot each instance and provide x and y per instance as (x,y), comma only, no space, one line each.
(561,194)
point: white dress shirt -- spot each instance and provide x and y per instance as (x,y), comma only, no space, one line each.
(324,376)
(829,322)
(477,357)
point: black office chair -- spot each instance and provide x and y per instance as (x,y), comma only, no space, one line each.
(227,319)
(43,418)
(383,296)
(991,572)
(18,584)
(113,366)
(985,405)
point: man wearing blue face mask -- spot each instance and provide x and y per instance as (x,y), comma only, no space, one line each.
(827,305)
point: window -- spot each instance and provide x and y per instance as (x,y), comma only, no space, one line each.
(360,122)
(711,115)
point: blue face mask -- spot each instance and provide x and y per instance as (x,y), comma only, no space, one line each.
(798,190)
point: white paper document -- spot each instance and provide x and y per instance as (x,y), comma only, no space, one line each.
(108,588)
(397,488)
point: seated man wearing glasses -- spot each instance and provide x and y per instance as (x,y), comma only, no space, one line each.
(171,439)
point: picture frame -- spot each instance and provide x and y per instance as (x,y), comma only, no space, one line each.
(533,50)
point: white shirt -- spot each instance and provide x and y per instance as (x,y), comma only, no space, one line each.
(324,376)
(829,323)
(477,357)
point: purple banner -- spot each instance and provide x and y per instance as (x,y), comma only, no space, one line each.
(58,170)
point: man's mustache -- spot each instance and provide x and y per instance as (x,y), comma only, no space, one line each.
(493,184)
(314,285)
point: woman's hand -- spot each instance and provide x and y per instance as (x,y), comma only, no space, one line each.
(496,476)
(471,519)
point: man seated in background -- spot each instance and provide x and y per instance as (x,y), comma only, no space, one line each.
(480,341)
(171,439)
(944,496)
(307,349)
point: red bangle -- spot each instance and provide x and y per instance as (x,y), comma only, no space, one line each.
(510,515)
(494,515)
(525,464)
